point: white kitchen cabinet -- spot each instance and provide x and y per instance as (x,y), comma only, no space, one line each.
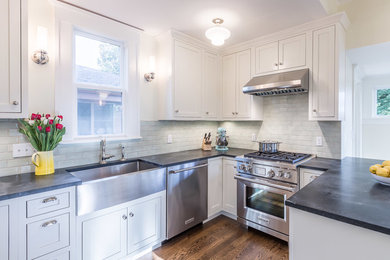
(215,186)
(229,186)
(281,55)
(307,176)
(105,236)
(145,217)
(13,98)
(4,232)
(123,230)
(328,74)
(187,80)
(211,85)
(229,85)
(243,70)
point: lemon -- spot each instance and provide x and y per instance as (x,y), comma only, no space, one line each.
(378,165)
(383,172)
(386,163)
(373,169)
(387,167)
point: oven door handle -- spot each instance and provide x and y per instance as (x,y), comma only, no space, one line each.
(265,184)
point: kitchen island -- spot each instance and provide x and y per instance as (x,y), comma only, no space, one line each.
(343,214)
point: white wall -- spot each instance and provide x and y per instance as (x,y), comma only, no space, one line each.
(375,131)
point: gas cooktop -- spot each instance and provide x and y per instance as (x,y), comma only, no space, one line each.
(279,156)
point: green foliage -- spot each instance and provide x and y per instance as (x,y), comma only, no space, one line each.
(109,60)
(383,102)
(42,135)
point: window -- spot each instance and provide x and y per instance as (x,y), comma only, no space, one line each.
(98,76)
(382,102)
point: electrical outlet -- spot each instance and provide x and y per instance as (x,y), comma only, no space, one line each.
(22,150)
(319,141)
(253,137)
(169,139)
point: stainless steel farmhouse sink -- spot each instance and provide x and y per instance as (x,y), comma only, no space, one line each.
(109,185)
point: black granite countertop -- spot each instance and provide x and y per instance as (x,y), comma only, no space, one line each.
(169,159)
(346,192)
(28,183)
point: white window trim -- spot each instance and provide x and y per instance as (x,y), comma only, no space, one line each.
(69,19)
(374,114)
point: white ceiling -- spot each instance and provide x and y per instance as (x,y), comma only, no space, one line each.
(372,60)
(247,19)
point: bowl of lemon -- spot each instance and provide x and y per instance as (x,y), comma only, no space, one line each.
(381,172)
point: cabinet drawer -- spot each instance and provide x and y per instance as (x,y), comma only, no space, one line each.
(47,235)
(47,204)
(56,256)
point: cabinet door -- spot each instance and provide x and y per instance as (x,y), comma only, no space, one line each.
(188,80)
(211,89)
(4,232)
(323,92)
(267,58)
(144,223)
(229,187)
(215,184)
(243,70)
(292,52)
(229,85)
(104,237)
(308,176)
(10,49)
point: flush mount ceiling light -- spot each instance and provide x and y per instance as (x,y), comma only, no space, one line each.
(217,34)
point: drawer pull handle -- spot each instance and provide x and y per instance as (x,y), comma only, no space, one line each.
(264,220)
(131,214)
(49,223)
(47,200)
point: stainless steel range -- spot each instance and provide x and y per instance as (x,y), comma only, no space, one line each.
(264,182)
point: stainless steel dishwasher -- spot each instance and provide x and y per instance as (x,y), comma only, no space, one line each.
(186,196)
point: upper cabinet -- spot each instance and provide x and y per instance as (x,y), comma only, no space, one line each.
(284,54)
(189,79)
(328,74)
(13,30)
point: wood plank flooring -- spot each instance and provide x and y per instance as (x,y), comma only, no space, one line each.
(221,238)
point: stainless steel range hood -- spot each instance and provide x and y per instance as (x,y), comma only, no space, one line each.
(285,83)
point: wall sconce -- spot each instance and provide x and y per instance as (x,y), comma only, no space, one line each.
(152,67)
(40,56)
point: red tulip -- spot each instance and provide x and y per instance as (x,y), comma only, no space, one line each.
(59,126)
(60,117)
(48,129)
(33,116)
(39,116)
(47,116)
(39,128)
(51,121)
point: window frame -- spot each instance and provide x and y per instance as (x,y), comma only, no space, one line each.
(94,86)
(374,109)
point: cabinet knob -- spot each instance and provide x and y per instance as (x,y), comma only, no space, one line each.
(124,217)
(315,110)
(280,63)
(236,113)
(131,214)
(276,64)
(233,113)
(177,111)
(15,103)
(207,113)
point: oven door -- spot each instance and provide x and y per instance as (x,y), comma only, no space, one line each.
(263,202)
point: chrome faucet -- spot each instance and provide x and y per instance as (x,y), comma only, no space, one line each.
(123,153)
(103,155)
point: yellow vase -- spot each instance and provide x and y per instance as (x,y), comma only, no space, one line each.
(44,162)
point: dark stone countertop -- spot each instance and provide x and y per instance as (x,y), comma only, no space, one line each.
(28,183)
(14,186)
(346,192)
(169,159)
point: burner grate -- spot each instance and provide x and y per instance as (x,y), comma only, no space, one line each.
(279,156)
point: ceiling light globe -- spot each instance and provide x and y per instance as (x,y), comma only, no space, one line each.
(218,35)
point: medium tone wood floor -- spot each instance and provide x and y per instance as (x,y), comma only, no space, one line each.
(221,238)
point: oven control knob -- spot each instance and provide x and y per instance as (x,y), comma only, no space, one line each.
(287,175)
(242,167)
(279,173)
(270,173)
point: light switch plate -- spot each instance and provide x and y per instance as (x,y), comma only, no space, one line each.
(319,141)
(22,150)
(253,137)
(169,139)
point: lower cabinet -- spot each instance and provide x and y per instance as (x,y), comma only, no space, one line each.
(307,176)
(215,184)
(229,186)
(4,232)
(122,230)
(104,237)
